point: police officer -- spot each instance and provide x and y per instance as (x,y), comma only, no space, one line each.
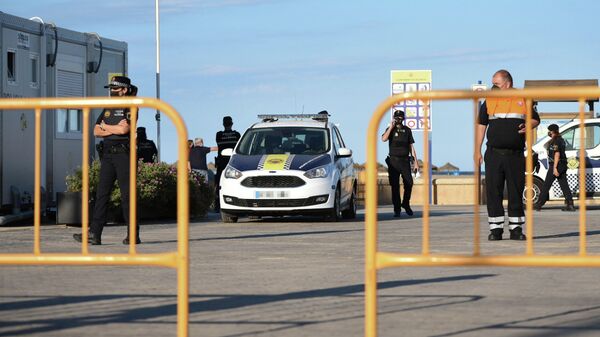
(113,126)
(504,119)
(557,169)
(399,162)
(226,139)
(146,149)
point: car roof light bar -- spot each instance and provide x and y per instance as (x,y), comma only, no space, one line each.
(322,116)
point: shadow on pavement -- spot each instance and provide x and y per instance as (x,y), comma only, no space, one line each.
(68,312)
(564,235)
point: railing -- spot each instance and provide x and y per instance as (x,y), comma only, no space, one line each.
(376,260)
(178,260)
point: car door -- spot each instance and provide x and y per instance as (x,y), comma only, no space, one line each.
(344,165)
(591,145)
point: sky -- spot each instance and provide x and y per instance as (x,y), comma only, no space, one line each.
(247,57)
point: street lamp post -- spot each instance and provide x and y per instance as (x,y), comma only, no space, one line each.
(157,115)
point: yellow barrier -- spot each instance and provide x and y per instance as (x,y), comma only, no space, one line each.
(375,260)
(178,260)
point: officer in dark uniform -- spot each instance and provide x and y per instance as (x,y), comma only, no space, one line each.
(557,169)
(146,149)
(504,119)
(226,139)
(113,126)
(399,162)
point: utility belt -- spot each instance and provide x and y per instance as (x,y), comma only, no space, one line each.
(505,152)
(116,148)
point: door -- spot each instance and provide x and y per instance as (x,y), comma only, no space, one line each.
(591,145)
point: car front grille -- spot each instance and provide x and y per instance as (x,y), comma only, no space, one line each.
(273,181)
(257,203)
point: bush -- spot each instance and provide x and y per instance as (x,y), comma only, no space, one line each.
(156,190)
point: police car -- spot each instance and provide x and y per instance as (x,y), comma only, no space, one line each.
(289,165)
(570,132)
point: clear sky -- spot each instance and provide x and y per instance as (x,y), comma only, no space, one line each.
(247,57)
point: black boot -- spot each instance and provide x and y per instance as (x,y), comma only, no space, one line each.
(92,238)
(126,240)
(495,234)
(517,234)
(569,207)
(407,208)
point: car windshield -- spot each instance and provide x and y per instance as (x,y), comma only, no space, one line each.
(288,140)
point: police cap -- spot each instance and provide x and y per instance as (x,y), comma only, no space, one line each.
(398,113)
(119,82)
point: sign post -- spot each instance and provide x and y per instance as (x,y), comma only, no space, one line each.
(414,110)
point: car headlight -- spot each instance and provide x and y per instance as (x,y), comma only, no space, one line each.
(318,172)
(232,173)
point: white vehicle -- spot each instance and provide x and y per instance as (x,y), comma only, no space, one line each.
(288,165)
(570,132)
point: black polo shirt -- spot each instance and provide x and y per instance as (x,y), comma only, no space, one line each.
(503,133)
(400,140)
(113,117)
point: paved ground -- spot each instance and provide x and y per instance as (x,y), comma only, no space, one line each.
(298,277)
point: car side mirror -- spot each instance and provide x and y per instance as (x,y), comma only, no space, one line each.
(227,152)
(344,153)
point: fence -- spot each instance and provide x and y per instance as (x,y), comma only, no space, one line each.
(376,260)
(178,259)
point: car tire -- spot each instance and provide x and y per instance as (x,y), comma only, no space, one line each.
(350,213)
(228,218)
(335,213)
(537,192)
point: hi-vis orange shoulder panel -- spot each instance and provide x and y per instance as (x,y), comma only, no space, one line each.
(505,106)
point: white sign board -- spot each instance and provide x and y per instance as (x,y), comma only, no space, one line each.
(414,110)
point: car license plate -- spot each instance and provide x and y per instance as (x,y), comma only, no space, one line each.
(272,194)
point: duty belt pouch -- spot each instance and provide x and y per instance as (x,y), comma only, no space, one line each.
(119,148)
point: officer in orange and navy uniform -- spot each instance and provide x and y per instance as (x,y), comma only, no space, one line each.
(504,119)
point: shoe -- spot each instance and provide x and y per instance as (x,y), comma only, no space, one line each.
(126,241)
(517,234)
(408,210)
(92,239)
(569,207)
(495,234)
(396,214)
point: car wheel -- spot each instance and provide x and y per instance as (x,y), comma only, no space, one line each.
(228,218)
(537,192)
(350,213)
(335,213)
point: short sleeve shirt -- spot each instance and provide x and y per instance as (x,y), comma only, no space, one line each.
(198,157)
(113,117)
(503,133)
(400,140)
(557,145)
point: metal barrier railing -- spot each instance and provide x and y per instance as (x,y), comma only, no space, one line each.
(375,260)
(178,260)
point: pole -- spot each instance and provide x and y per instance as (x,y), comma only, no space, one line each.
(157,115)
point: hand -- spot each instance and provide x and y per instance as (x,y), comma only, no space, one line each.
(522,128)
(478,158)
(123,122)
(555,172)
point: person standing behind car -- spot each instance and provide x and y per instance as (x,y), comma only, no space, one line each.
(146,149)
(398,161)
(113,125)
(198,154)
(557,169)
(226,139)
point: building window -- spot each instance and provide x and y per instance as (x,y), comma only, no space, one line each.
(68,120)
(11,66)
(34,80)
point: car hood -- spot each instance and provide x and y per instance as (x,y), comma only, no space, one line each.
(274,162)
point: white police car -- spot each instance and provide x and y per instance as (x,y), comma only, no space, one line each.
(570,132)
(289,165)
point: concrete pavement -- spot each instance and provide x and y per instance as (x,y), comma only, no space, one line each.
(301,277)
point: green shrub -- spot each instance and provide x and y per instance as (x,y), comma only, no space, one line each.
(156,190)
